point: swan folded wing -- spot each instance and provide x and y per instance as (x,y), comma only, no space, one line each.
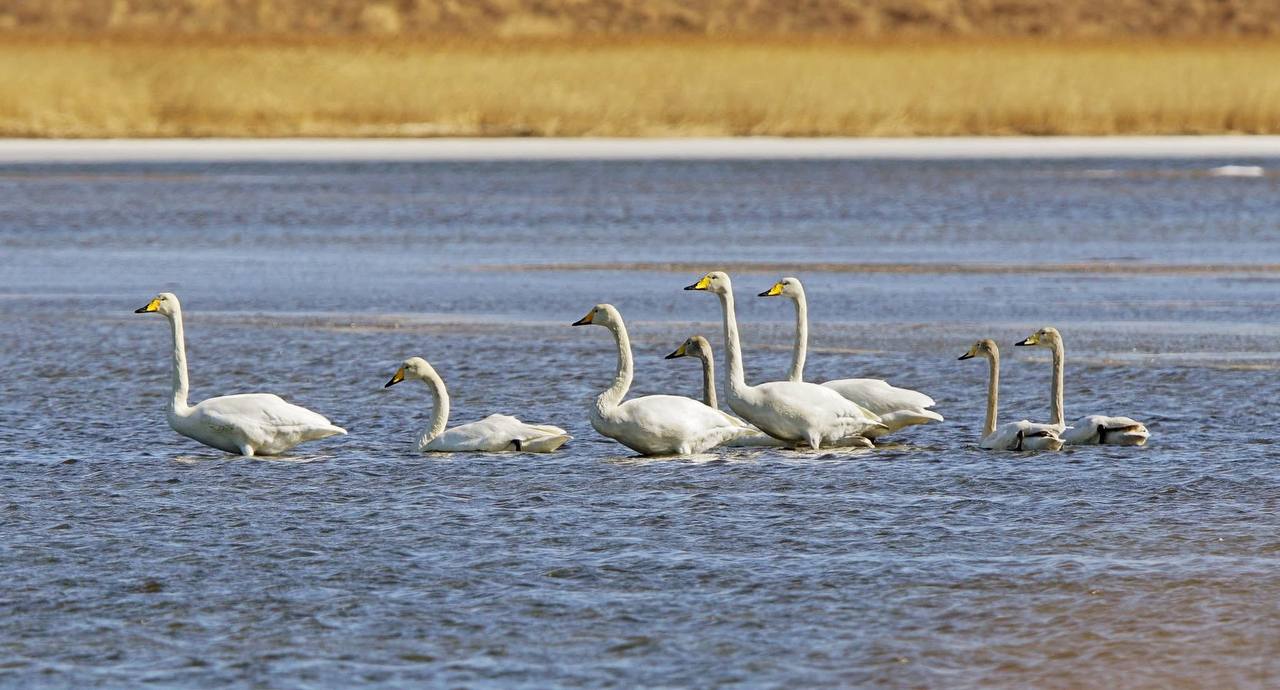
(808,399)
(1022,435)
(878,396)
(672,424)
(1101,429)
(497,433)
(264,421)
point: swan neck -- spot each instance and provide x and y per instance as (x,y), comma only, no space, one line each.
(612,397)
(801,346)
(439,408)
(1055,389)
(709,383)
(734,379)
(180,382)
(993,397)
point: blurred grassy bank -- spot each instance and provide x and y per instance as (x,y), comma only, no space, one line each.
(147,87)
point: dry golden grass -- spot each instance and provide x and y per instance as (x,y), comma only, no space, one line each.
(672,87)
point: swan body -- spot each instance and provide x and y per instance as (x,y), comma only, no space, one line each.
(249,424)
(653,424)
(1090,429)
(897,408)
(493,434)
(697,346)
(793,411)
(1020,435)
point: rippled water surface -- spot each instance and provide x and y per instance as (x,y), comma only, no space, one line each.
(132,556)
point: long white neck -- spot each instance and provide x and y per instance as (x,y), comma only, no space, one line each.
(709,382)
(993,395)
(802,339)
(1055,388)
(439,408)
(613,396)
(180,385)
(734,380)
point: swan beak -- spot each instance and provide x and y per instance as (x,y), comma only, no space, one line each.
(773,291)
(701,284)
(153,305)
(680,352)
(586,320)
(967,355)
(397,378)
(1031,340)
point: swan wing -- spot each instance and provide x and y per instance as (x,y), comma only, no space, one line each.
(1096,429)
(878,396)
(1022,435)
(265,423)
(497,433)
(661,424)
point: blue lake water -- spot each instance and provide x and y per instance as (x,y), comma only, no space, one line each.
(132,556)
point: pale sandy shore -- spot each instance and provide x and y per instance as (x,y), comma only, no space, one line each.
(1221,148)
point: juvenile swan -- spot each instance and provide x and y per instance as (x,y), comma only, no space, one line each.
(897,407)
(697,346)
(793,411)
(250,424)
(1093,429)
(493,434)
(653,424)
(1021,435)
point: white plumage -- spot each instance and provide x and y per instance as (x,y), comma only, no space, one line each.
(897,407)
(653,424)
(494,434)
(1020,435)
(248,424)
(793,411)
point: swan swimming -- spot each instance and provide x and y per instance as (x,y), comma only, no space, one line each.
(697,346)
(897,407)
(249,424)
(493,434)
(794,411)
(1094,429)
(653,424)
(1022,435)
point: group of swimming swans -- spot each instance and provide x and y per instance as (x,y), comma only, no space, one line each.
(849,413)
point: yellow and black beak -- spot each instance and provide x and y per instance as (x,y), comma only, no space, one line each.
(702,284)
(396,378)
(1032,339)
(586,320)
(773,291)
(153,305)
(680,352)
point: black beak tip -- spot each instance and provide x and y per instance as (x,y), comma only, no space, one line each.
(140,310)
(1021,343)
(691,287)
(579,322)
(965,356)
(763,294)
(671,356)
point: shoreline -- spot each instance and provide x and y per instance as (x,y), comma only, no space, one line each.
(1233,147)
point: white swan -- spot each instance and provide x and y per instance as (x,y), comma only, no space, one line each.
(250,424)
(793,411)
(653,424)
(493,434)
(1021,435)
(697,346)
(897,407)
(1094,429)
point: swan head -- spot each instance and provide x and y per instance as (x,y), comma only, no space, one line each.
(415,367)
(715,281)
(1045,337)
(696,346)
(983,348)
(600,315)
(165,303)
(787,287)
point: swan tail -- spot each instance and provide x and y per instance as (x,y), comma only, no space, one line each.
(901,419)
(325,432)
